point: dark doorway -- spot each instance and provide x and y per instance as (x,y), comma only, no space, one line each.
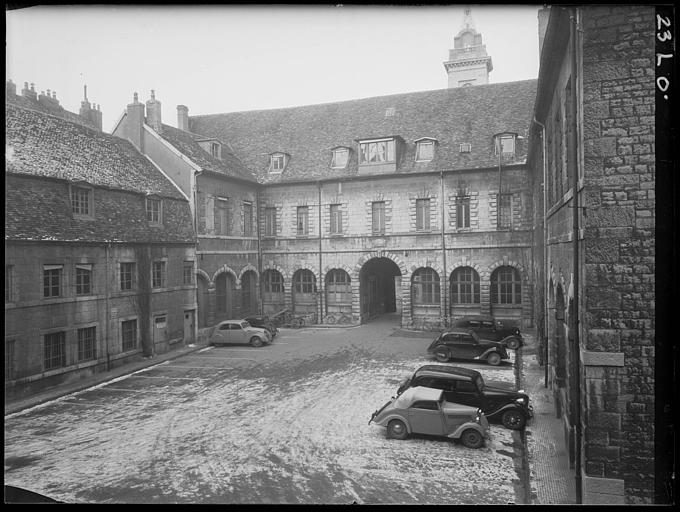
(377,287)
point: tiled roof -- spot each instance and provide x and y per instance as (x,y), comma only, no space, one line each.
(44,145)
(22,101)
(452,116)
(187,144)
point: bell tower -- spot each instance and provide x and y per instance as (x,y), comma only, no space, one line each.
(468,62)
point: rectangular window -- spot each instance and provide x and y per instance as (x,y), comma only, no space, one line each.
(222,218)
(463,212)
(340,157)
(87,338)
(81,201)
(336,219)
(278,163)
(52,280)
(215,149)
(128,277)
(9,283)
(247,219)
(270,222)
(423,214)
(158,277)
(55,350)
(377,152)
(378,217)
(505,211)
(425,150)
(128,330)
(153,210)
(83,279)
(302,220)
(188,272)
(10,365)
(507,144)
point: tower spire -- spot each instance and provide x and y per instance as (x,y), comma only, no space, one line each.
(468,62)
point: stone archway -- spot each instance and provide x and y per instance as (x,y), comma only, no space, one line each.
(379,287)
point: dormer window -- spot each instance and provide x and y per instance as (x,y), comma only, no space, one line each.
(277,163)
(215,149)
(465,147)
(377,151)
(340,158)
(506,143)
(425,149)
(211,146)
(154,211)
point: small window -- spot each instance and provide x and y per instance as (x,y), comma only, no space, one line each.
(302,220)
(423,214)
(389,112)
(83,279)
(52,280)
(336,219)
(128,276)
(462,212)
(378,217)
(247,219)
(128,330)
(81,201)
(377,152)
(158,274)
(340,158)
(270,221)
(188,272)
(507,144)
(278,162)
(153,210)
(86,343)
(54,355)
(161,322)
(424,150)
(465,147)
(215,149)
(467,339)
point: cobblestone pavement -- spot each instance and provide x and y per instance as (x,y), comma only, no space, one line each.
(287,423)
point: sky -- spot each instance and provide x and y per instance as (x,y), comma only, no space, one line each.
(216,59)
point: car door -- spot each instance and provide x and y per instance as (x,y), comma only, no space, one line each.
(221,334)
(464,347)
(466,393)
(472,347)
(237,334)
(425,417)
(487,330)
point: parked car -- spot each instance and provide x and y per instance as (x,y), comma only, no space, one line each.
(490,328)
(230,332)
(467,387)
(420,410)
(465,344)
(263,322)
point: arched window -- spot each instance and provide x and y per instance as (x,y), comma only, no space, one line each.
(272,282)
(338,287)
(425,286)
(506,286)
(304,281)
(465,286)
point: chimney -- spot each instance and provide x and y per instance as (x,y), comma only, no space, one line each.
(153,113)
(29,93)
(134,124)
(49,101)
(543,17)
(10,88)
(183,117)
(89,113)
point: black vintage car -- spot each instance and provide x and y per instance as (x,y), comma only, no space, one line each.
(465,344)
(467,387)
(263,322)
(490,328)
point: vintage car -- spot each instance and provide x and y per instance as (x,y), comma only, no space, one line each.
(489,328)
(230,332)
(467,387)
(263,322)
(421,410)
(465,344)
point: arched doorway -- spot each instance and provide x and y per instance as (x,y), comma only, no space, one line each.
(249,293)
(506,293)
(379,288)
(273,292)
(304,292)
(338,296)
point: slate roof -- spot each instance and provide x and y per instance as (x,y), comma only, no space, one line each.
(187,143)
(44,145)
(22,101)
(452,116)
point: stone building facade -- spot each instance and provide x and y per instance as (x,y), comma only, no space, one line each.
(99,250)
(593,174)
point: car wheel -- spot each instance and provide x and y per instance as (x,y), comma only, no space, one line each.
(255,341)
(513,344)
(396,429)
(494,359)
(471,438)
(442,354)
(513,420)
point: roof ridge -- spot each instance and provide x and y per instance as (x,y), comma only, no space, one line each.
(42,112)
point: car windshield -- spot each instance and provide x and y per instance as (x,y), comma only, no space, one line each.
(480,382)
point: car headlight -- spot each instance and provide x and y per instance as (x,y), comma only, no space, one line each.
(521,401)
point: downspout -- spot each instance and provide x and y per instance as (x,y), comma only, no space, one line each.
(573,20)
(545,254)
(320,287)
(444,279)
(259,249)
(108,308)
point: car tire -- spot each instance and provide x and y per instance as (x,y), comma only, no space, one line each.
(255,341)
(494,359)
(442,354)
(512,344)
(471,438)
(514,420)
(396,429)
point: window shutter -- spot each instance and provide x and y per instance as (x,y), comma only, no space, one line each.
(217,210)
(201,211)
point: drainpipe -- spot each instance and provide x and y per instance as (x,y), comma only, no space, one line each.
(259,250)
(320,287)
(573,20)
(545,254)
(108,308)
(444,280)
